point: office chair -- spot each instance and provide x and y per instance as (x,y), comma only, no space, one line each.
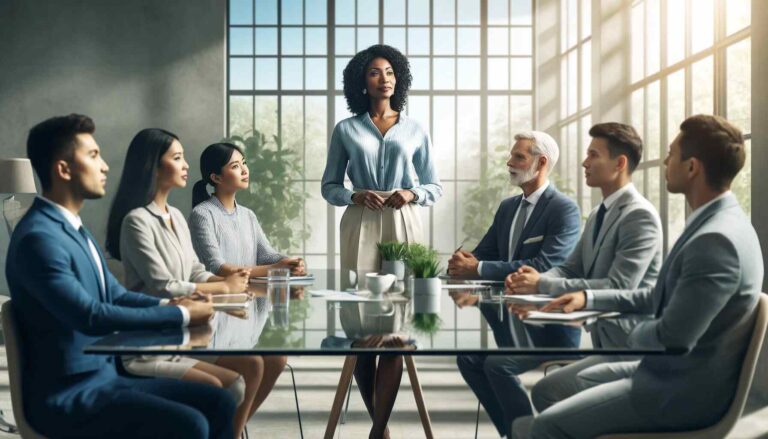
(725,425)
(13,350)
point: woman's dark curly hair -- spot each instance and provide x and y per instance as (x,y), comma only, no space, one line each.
(354,78)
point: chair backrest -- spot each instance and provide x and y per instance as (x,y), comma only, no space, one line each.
(15,367)
(748,367)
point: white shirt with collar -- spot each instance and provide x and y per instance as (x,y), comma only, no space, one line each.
(610,200)
(532,199)
(76,222)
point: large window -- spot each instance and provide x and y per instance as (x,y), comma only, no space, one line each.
(472,67)
(575,58)
(687,57)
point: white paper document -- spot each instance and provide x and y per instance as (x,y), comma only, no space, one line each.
(463,287)
(529,299)
(231,306)
(340,296)
(308,279)
(562,317)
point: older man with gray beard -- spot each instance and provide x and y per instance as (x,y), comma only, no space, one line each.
(538,228)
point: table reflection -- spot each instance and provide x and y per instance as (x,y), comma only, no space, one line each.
(313,318)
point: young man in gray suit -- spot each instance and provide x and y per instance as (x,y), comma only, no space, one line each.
(703,301)
(620,249)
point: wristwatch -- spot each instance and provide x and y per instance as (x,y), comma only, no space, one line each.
(415,195)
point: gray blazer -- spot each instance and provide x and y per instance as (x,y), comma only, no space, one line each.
(159,260)
(626,255)
(704,301)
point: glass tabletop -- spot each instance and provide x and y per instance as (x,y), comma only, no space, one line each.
(312,317)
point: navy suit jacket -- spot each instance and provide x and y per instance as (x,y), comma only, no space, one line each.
(548,237)
(61,306)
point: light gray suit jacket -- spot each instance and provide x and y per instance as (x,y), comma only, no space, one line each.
(704,302)
(626,255)
(159,260)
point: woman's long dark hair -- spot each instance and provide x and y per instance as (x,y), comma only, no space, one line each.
(138,183)
(213,159)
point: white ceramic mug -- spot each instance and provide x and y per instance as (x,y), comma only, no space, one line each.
(379,283)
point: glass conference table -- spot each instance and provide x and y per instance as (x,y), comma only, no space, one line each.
(311,318)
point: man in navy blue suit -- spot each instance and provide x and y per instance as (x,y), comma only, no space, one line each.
(539,228)
(65,298)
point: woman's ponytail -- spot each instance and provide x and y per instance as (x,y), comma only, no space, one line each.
(199,193)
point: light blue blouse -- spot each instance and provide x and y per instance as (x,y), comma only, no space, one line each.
(382,163)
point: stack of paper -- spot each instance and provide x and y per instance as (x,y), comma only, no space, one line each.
(463,287)
(562,317)
(340,296)
(529,299)
(308,279)
(227,302)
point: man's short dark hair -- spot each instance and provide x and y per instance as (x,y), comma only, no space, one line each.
(53,139)
(622,139)
(717,144)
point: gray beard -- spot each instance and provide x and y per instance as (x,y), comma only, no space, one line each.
(520,178)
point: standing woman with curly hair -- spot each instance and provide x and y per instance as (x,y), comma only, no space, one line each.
(377,148)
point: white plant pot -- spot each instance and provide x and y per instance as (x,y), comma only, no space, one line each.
(394,267)
(426,295)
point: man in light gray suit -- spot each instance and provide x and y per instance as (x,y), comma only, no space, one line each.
(619,249)
(703,301)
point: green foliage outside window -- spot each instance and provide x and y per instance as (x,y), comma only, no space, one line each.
(485,196)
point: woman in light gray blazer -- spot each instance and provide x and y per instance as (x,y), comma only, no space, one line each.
(152,240)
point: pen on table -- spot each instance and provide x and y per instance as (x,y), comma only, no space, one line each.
(460,246)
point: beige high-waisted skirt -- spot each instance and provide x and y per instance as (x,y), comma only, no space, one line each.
(361,228)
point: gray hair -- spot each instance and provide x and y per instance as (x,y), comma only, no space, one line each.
(543,144)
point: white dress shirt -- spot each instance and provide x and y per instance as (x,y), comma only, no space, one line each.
(532,200)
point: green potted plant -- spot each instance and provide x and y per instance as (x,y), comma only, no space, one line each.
(272,193)
(393,255)
(426,285)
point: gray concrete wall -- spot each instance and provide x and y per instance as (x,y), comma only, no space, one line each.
(128,64)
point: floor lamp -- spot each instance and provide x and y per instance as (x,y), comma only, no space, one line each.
(15,178)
